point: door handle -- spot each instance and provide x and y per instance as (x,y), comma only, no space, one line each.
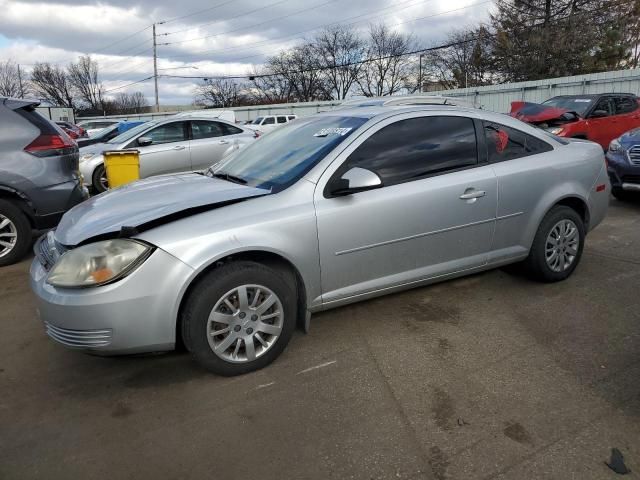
(179,147)
(471,195)
(223,142)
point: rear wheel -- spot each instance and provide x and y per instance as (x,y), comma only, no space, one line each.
(557,246)
(239,317)
(15,233)
(99,179)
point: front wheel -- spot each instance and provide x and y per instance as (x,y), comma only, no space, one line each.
(99,179)
(557,246)
(15,233)
(239,317)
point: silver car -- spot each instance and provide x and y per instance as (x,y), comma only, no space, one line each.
(168,146)
(328,210)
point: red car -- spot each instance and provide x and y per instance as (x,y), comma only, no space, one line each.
(599,118)
(72,130)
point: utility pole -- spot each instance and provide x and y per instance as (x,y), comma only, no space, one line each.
(420,73)
(155,67)
(20,82)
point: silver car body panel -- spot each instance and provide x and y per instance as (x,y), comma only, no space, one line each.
(349,248)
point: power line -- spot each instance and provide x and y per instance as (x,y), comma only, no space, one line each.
(123,39)
(250,26)
(198,12)
(128,84)
(227,19)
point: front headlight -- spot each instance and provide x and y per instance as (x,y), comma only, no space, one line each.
(86,156)
(615,146)
(98,263)
(555,130)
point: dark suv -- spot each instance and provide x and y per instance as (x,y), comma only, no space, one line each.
(39,178)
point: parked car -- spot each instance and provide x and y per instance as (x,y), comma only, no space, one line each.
(108,133)
(269,122)
(74,131)
(599,118)
(331,209)
(39,178)
(623,165)
(177,144)
(94,126)
(226,115)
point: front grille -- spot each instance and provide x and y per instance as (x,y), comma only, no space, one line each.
(79,338)
(634,155)
(631,179)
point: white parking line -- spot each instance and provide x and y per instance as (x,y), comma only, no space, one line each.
(322,365)
(264,386)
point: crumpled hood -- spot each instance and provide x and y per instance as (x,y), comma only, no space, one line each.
(536,112)
(146,203)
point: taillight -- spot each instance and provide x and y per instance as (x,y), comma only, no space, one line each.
(49,144)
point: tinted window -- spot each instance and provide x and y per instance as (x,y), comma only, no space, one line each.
(258,121)
(282,119)
(203,129)
(269,121)
(291,117)
(411,149)
(167,133)
(129,134)
(605,104)
(625,104)
(506,143)
(279,159)
(229,129)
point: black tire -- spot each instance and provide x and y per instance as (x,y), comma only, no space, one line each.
(98,173)
(212,288)
(622,195)
(535,265)
(24,233)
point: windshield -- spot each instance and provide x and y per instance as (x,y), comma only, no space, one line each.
(580,105)
(257,121)
(279,159)
(129,134)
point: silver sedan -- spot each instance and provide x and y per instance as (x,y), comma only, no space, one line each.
(176,144)
(325,211)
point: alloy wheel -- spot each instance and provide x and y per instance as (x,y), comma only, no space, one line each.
(245,323)
(8,236)
(561,246)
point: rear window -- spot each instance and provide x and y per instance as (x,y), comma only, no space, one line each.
(506,143)
(34,118)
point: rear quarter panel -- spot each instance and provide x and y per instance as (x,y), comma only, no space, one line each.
(528,187)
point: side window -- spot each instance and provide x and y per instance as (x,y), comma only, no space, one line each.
(418,147)
(604,104)
(625,104)
(229,129)
(202,129)
(506,143)
(167,133)
(269,121)
(291,117)
(282,119)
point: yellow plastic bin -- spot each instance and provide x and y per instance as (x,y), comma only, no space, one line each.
(122,166)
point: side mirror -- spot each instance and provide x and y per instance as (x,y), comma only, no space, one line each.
(599,114)
(144,141)
(356,180)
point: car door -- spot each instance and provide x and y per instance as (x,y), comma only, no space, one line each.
(434,214)
(627,112)
(602,129)
(168,151)
(209,143)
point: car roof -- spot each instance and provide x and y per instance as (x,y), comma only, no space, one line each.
(594,95)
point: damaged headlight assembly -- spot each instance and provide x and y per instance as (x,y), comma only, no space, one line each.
(98,263)
(555,130)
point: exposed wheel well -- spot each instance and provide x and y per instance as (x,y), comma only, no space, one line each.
(579,206)
(270,259)
(20,202)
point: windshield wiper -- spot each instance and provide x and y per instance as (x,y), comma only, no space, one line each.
(229,178)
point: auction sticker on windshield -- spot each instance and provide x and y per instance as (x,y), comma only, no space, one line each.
(582,100)
(332,131)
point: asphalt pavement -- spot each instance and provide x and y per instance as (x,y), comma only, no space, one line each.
(490,376)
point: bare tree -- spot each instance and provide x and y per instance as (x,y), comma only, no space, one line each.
(300,68)
(11,84)
(125,103)
(52,84)
(220,92)
(340,51)
(83,76)
(388,66)
(267,87)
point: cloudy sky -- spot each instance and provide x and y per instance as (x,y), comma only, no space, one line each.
(201,37)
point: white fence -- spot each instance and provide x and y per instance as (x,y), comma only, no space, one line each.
(57,114)
(494,97)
